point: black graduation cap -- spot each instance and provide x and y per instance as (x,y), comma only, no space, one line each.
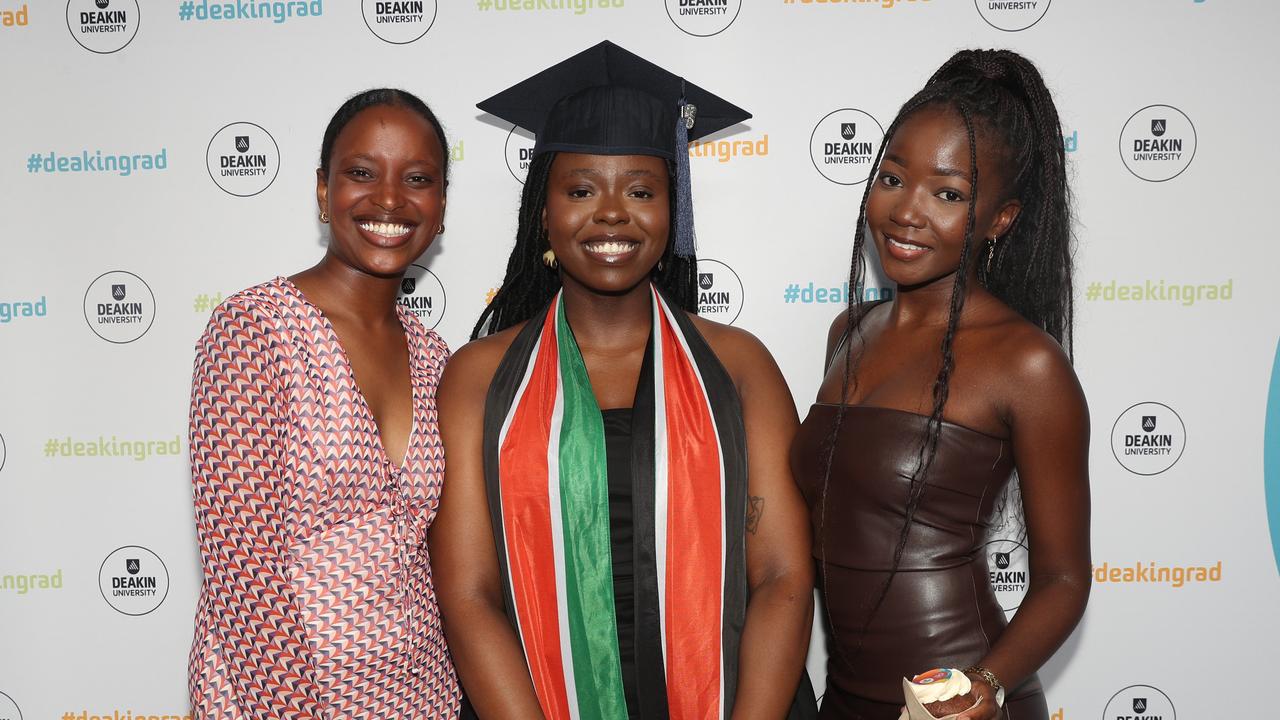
(608,101)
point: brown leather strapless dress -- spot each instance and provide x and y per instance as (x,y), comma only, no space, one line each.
(940,610)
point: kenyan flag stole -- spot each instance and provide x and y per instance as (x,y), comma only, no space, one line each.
(548,492)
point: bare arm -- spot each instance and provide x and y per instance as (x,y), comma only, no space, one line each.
(488,655)
(775,637)
(1050,426)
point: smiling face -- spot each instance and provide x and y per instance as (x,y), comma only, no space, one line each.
(919,204)
(608,218)
(384,191)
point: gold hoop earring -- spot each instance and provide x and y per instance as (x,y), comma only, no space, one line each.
(324,216)
(549,259)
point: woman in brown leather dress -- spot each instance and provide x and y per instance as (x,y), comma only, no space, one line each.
(933,400)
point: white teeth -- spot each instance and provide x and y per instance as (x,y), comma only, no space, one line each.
(906,246)
(385,229)
(611,247)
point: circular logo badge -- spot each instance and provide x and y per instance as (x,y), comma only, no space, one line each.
(1158,143)
(119,306)
(422,294)
(703,18)
(133,580)
(720,292)
(1012,15)
(399,23)
(9,709)
(1148,438)
(103,26)
(243,159)
(519,152)
(1140,702)
(844,146)
(1009,570)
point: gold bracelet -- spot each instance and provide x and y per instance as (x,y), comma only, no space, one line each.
(991,680)
(985,674)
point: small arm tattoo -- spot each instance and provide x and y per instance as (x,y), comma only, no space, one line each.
(755,508)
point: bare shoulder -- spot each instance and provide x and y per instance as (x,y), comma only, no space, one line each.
(731,344)
(1030,353)
(748,361)
(840,324)
(471,368)
(1031,363)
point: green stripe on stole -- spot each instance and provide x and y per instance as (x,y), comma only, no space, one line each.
(584,510)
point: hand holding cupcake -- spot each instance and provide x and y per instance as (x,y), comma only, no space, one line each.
(948,694)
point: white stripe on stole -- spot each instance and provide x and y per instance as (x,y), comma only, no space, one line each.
(502,439)
(715,435)
(557,525)
(660,472)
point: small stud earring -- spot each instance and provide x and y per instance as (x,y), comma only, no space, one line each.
(441,230)
(549,259)
(324,216)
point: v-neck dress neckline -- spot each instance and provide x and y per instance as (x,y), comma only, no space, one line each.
(415,380)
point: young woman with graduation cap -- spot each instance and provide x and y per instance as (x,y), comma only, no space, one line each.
(619,534)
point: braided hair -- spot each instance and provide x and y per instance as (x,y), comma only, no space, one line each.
(1003,100)
(529,284)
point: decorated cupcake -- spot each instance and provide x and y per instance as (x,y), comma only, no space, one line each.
(938,694)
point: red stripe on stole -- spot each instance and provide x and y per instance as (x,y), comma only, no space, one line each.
(526,518)
(694,540)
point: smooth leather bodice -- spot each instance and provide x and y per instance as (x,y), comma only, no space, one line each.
(940,610)
(870,482)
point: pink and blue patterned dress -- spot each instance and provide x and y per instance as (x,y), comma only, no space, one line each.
(317,599)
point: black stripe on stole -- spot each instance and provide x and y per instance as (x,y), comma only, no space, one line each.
(651,682)
(497,403)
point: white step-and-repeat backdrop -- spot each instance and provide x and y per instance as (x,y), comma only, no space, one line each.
(158,155)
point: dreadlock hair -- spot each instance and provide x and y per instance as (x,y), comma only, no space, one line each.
(374,98)
(1003,100)
(529,284)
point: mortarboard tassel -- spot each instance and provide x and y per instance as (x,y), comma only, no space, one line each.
(685,239)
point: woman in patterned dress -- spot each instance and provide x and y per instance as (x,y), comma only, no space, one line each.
(316,461)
